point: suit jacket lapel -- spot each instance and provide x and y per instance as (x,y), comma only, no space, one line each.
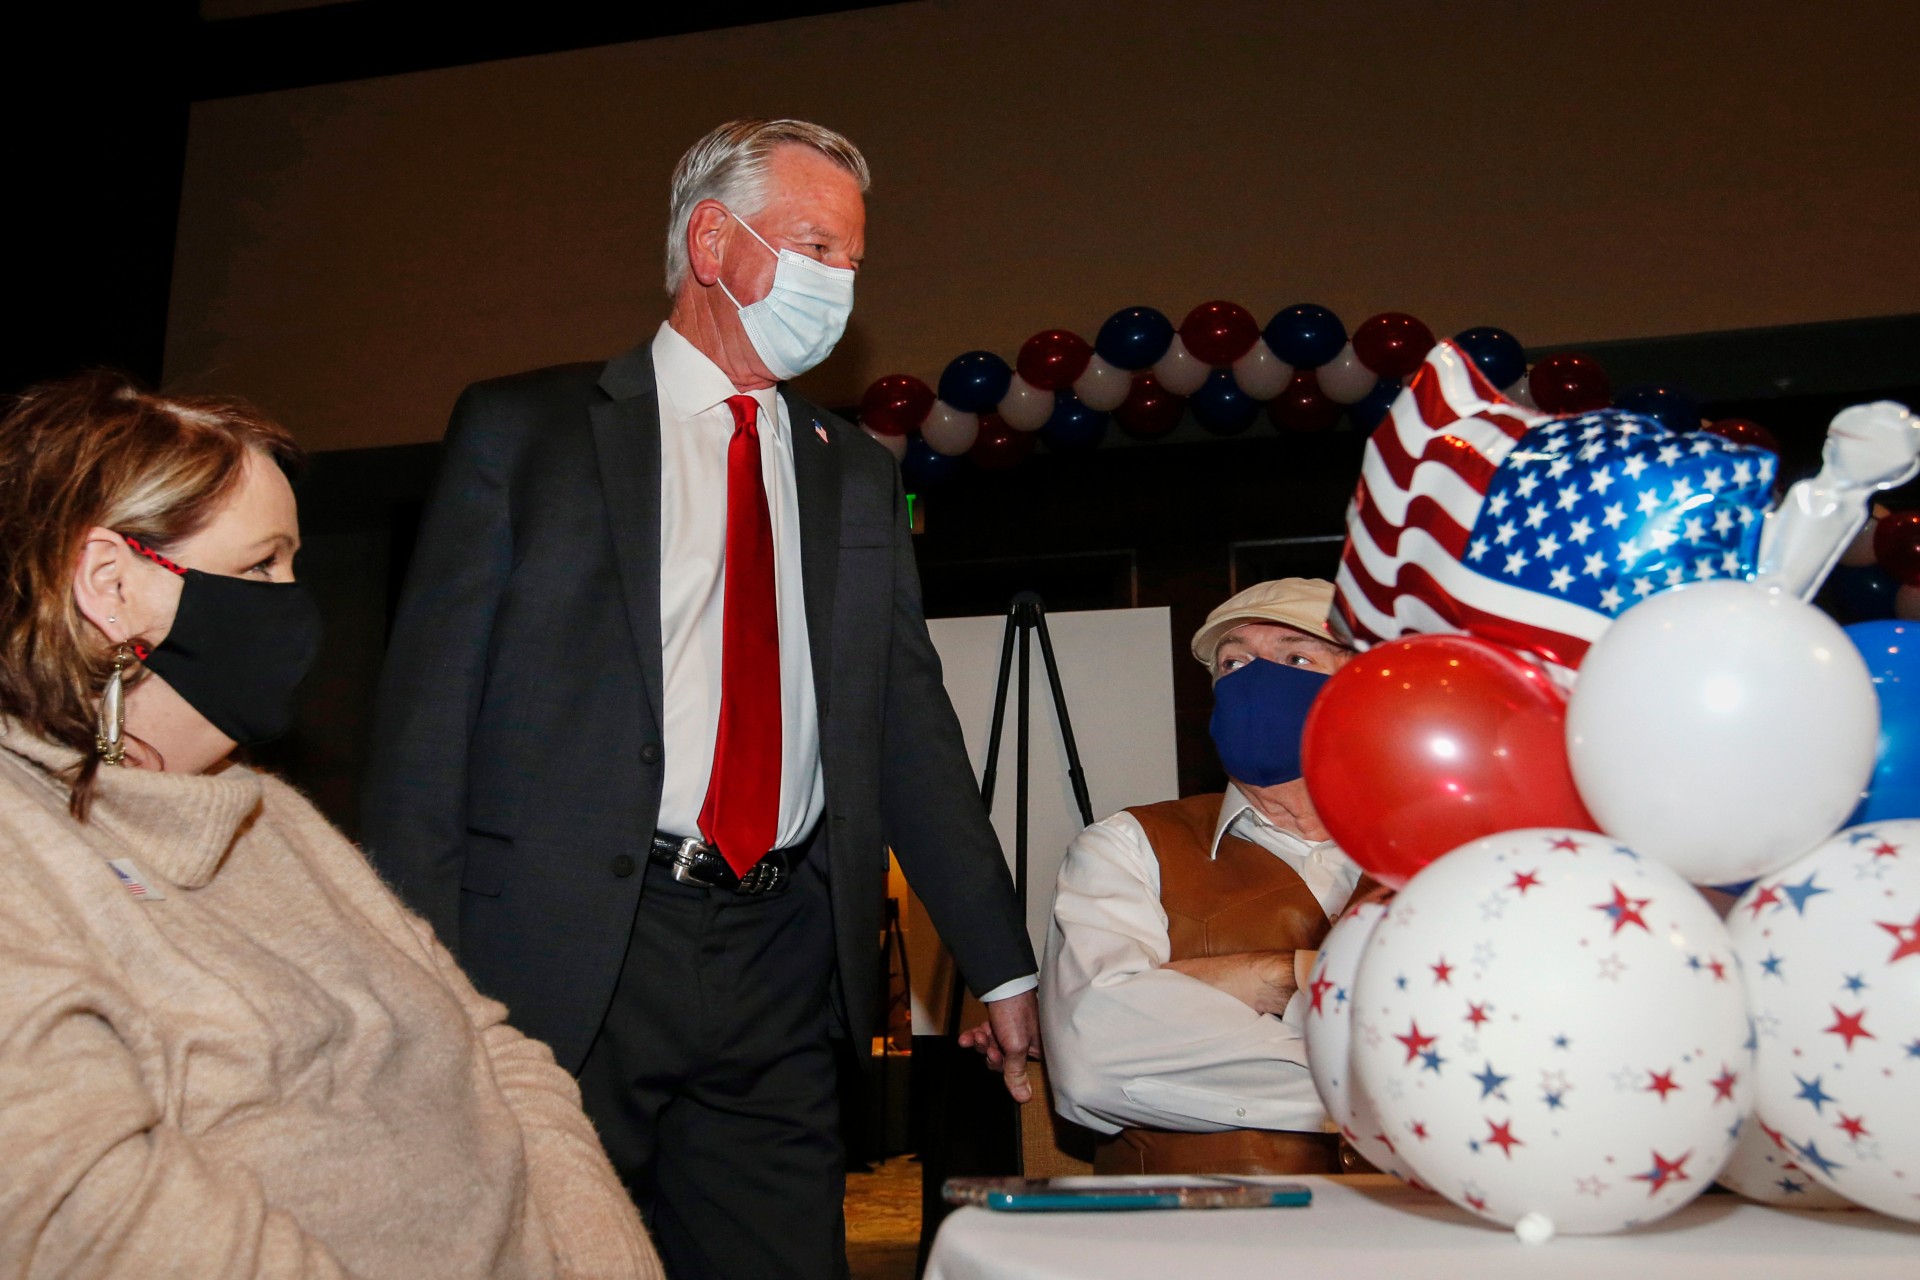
(816,482)
(626,436)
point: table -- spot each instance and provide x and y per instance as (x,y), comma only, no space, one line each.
(1374,1226)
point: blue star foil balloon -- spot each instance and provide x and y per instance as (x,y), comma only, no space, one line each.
(1476,515)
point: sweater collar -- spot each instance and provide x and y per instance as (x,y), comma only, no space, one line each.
(179,825)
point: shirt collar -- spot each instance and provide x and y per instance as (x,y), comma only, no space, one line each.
(693,382)
(1236,808)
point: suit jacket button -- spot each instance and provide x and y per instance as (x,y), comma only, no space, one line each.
(622,866)
(650,754)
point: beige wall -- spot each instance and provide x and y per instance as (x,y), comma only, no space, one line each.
(351,255)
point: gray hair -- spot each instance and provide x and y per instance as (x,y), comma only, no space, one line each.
(730,165)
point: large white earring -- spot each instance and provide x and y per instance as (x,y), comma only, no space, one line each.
(110,738)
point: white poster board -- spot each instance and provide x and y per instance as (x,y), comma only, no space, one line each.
(1117,677)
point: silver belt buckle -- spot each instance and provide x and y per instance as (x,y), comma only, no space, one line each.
(686,858)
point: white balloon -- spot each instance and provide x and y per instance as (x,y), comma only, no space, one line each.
(948,430)
(895,445)
(1329,1037)
(1179,371)
(1762,1168)
(1831,950)
(1344,379)
(1723,728)
(1551,1024)
(1262,374)
(1521,394)
(1103,387)
(1025,406)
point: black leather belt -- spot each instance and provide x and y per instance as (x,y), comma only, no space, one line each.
(693,861)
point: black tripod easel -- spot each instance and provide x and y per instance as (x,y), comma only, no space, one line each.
(1026,619)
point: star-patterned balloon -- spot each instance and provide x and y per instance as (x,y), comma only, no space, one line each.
(1329,1041)
(1554,1025)
(1831,948)
(1762,1168)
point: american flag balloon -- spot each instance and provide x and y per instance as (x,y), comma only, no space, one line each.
(1551,1026)
(1476,515)
(1762,1168)
(1831,950)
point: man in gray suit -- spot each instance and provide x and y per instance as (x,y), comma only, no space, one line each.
(660,696)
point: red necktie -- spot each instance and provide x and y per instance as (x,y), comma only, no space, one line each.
(742,809)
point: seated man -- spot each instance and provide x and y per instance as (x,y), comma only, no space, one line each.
(1182,931)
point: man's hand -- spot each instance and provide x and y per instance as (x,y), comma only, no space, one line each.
(1261,980)
(1009,1037)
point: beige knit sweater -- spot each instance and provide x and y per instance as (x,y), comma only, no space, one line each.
(268,1067)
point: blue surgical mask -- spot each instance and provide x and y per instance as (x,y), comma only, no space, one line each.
(1259,714)
(795,326)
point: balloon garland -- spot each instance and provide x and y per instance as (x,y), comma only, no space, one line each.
(1143,374)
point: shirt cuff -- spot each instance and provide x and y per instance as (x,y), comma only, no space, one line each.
(1007,990)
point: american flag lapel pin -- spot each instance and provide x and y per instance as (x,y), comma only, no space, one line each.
(821,432)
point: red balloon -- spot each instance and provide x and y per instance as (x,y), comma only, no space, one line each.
(1149,410)
(1569,383)
(999,446)
(1416,747)
(896,404)
(1744,431)
(1052,360)
(1896,546)
(1218,333)
(1303,406)
(1392,344)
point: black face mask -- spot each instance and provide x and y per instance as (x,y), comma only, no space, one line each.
(238,649)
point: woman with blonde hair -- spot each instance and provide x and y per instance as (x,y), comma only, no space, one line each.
(225,1048)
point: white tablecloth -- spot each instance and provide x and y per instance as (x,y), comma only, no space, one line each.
(1374,1226)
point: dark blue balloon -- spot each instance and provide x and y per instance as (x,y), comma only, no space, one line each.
(1073,425)
(922,468)
(1671,407)
(1220,406)
(976,382)
(1133,339)
(1892,651)
(1866,591)
(1306,335)
(1497,352)
(1371,408)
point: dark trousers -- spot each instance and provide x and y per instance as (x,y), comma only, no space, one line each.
(712,1080)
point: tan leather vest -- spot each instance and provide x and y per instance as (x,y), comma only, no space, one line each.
(1244,899)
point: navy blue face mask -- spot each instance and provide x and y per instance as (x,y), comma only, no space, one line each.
(1259,715)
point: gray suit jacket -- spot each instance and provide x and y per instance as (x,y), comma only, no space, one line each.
(515,776)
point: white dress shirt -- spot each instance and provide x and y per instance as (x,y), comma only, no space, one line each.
(1131,1042)
(696,426)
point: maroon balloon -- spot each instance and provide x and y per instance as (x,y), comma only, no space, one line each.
(1303,406)
(1392,344)
(1052,360)
(1218,333)
(999,445)
(1896,546)
(896,404)
(1569,383)
(1149,410)
(1744,431)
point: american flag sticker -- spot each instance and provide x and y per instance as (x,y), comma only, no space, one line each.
(821,432)
(135,880)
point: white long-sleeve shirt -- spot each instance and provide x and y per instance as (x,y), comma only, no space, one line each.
(1131,1042)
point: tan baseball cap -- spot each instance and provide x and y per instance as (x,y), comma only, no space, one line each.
(1300,603)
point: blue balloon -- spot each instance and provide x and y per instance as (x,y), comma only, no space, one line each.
(976,382)
(922,468)
(1866,591)
(1892,651)
(1371,408)
(1134,338)
(1497,352)
(1073,425)
(1671,407)
(1220,406)
(1306,335)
